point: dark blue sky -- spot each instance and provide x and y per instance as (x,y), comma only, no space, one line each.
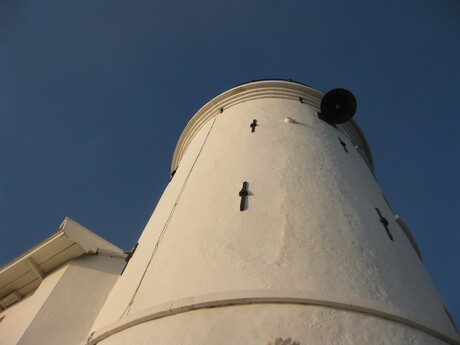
(94,95)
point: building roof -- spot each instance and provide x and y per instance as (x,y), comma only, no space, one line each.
(24,274)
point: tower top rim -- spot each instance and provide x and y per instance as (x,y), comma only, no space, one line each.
(266,88)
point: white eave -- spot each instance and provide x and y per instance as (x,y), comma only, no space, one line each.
(24,274)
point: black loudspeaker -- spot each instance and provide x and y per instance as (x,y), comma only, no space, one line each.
(337,106)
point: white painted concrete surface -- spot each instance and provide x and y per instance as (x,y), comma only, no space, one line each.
(62,310)
(19,316)
(261,323)
(310,225)
(269,296)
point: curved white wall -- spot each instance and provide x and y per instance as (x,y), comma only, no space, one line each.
(261,324)
(310,224)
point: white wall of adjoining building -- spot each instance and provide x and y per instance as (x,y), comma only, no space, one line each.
(62,310)
(19,316)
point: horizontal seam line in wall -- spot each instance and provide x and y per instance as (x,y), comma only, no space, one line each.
(163,310)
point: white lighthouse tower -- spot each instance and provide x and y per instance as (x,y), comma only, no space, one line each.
(273,230)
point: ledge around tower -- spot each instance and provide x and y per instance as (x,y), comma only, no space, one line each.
(264,89)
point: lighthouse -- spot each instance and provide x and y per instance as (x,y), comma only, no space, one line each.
(273,230)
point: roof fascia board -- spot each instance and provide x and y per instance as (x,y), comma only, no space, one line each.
(88,240)
(32,251)
(84,238)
